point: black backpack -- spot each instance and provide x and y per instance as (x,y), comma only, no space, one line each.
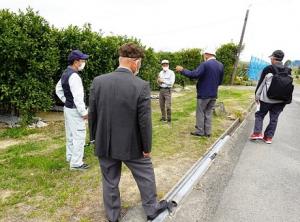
(281,87)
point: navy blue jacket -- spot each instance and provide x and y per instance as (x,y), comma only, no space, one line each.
(210,76)
(66,87)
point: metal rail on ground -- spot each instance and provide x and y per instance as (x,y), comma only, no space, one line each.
(192,176)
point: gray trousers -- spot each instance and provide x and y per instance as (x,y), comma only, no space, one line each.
(165,102)
(143,173)
(204,115)
(274,112)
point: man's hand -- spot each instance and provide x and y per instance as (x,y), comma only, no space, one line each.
(146,155)
(85,117)
(179,68)
(159,80)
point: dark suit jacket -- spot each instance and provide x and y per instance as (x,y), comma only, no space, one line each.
(120,115)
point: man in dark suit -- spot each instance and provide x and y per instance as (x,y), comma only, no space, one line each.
(120,125)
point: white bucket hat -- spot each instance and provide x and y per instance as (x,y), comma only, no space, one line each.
(165,61)
(210,50)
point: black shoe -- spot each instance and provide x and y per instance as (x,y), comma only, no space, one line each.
(163,205)
(162,120)
(169,120)
(207,135)
(196,134)
(113,221)
(80,168)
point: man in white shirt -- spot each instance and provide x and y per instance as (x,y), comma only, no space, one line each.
(69,90)
(166,79)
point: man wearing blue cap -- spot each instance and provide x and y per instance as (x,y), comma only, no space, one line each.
(69,90)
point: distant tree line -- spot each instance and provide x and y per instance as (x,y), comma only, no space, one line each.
(33,55)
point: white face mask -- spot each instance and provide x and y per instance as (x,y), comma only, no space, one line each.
(81,67)
(166,68)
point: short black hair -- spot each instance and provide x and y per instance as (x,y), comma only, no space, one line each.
(70,62)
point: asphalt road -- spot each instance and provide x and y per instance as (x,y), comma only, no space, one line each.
(251,181)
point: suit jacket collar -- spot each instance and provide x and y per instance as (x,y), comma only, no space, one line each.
(121,69)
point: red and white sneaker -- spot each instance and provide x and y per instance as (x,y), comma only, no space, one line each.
(256,136)
(267,140)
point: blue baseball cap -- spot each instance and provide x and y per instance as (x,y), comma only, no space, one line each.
(77,55)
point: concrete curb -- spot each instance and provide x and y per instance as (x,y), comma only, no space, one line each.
(194,174)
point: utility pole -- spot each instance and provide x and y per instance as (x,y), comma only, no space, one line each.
(237,57)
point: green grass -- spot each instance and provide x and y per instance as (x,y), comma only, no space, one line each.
(29,173)
(16,132)
(175,139)
(36,174)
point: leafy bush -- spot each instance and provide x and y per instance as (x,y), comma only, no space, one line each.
(103,51)
(188,58)
(34,55)
(226,54)
(29,57)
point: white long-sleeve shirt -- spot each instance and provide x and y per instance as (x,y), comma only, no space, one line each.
(77,91)
(168,78)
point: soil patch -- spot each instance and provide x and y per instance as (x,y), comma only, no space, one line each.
(7,143)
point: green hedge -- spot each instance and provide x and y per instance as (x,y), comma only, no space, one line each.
(33,55)
(29,57)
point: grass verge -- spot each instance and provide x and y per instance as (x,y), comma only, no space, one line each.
(36,183)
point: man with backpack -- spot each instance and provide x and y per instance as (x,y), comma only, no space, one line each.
(273,92)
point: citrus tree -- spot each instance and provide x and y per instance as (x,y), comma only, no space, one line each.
(29,57)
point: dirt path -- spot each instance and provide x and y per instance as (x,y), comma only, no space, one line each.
(4,144)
